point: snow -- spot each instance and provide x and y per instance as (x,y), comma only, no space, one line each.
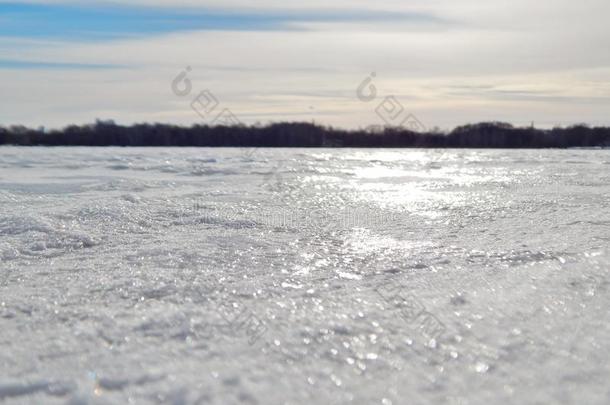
(297,276)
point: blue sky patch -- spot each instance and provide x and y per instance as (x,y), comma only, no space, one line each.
(71,22)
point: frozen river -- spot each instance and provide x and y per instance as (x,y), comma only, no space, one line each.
(226,276)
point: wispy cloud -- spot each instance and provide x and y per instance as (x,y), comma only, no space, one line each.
(23,64)
(98,21)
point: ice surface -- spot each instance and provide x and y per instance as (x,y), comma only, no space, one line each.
(215,276)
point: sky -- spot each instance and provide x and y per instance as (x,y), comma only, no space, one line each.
(346,63)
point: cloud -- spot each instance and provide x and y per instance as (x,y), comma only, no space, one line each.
(102,21)
(23,64)
(449,62)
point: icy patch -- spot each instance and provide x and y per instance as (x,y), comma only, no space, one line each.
(179,276)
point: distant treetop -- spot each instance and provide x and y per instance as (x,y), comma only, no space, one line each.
(297,134)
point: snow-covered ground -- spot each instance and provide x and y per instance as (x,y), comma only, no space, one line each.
(226,276)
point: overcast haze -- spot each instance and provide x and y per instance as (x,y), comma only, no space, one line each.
(448,62)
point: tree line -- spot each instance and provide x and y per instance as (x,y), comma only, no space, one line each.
(482,135)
